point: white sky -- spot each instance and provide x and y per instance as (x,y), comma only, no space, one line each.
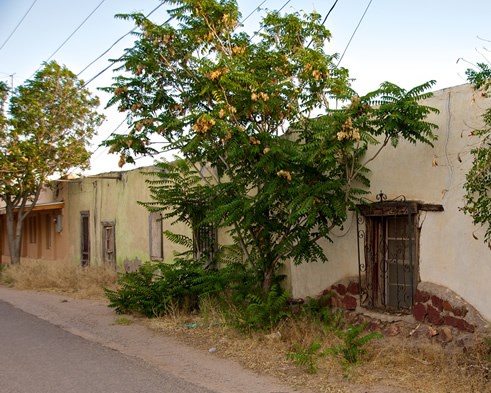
(406,42)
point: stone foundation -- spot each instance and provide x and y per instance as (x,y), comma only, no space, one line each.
(344,295)
(440,306)
(433,304)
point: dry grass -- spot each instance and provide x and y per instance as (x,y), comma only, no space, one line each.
(61,277)
(397,363)
(393,364)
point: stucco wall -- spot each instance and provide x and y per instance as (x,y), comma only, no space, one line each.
(113,197)
(449,254)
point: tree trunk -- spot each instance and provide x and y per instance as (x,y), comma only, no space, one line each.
(268,279)
(14,234)
(15,224)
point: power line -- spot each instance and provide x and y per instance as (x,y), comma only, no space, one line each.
(112,46)
(329,13)
(253,11)
(325,19)
(79,26)
(257,32)
(354,32)
(18,24)
(110,135)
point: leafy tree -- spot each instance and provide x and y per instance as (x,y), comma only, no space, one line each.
(238,110)
(46,131)
(478,179)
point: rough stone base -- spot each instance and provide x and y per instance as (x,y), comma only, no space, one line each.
(443,310)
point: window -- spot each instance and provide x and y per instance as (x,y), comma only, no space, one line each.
(205,240)
(388,252)
(108,243)
(155,236)
(84,239)
(389,270)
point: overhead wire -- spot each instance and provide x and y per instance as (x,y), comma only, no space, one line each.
(73,33)
(18,24)
(325,18)
(112,46)
(354,32)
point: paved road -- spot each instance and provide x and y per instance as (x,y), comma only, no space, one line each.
(80,348)
(38,357)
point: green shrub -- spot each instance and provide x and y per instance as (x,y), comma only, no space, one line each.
(157,287)
(307,356)
(354,342)
(319,309)
(263,311)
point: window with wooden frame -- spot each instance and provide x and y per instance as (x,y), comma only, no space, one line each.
(84,238)
(109,242)
(205,239)
(388,233)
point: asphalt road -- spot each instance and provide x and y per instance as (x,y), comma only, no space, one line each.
(38,357)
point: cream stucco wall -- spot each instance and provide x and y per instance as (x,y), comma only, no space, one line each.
(449,254)
(113,197)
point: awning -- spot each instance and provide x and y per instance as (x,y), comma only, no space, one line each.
(40,207)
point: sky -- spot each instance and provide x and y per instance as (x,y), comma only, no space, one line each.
(405,42)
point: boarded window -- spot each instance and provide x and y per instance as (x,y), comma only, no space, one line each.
(155,236)
(84,239)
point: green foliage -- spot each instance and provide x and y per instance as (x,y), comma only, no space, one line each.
(50,121)
(318,309)
(238,109)
(354,342)
(157,288)
(264,311)
(307,356)
(478,179)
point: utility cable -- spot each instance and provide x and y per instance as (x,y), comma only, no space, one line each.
(257,32)
(349,42)
(329,13)
(325,19)
(253,12)
(112,46)
(18,24)
(110,135)
(73,33)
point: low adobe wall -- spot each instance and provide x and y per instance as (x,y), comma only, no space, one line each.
(433,304)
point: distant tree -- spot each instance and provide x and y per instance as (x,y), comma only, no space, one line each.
(46,131)
(238,110)
(478,179)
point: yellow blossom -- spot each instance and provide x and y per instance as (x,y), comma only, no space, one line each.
(254,141)
(238,50)
(284,174)
(203,125)
(316,74)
